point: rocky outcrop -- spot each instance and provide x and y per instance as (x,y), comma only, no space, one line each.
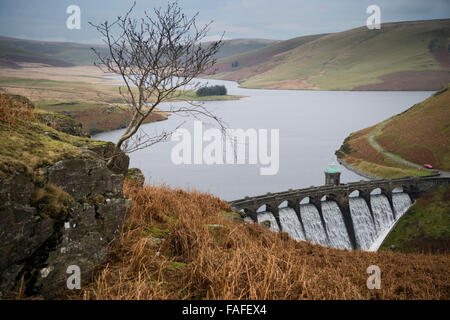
(108,150)
(64,124)
(64,214)
(136,175)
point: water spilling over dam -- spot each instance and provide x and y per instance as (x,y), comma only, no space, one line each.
(331,232)
(357,215)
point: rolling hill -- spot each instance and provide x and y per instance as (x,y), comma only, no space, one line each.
(14,52)
(11,57)
(422,133)
(238,46)
(399,146)
(400,56)
(58,54)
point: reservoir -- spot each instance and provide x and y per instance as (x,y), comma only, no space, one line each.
(312,126)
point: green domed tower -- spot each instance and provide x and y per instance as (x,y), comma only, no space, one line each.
(332,175)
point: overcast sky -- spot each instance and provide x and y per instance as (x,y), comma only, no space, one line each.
(269,19)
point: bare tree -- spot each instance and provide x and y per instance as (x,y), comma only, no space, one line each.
(156,56)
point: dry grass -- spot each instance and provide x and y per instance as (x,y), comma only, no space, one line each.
(14,111)
(203,254)
(421,134)
(89,74)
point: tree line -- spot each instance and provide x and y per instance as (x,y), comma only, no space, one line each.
(212,91)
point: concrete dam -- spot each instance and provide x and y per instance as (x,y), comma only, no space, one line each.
(350,216)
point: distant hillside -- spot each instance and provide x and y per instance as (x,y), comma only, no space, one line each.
(239,46)
(13,51)
(58,54)
(11,57)
(399,56)
(255,61)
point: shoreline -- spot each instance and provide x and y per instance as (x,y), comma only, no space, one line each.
(319,89)
(357,171)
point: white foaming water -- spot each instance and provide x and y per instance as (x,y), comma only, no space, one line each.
(334,222)
(248,219)
(365,231)
(402,202)
(268,216)
(290,224)
(369,234)
(382,212)
(314,230)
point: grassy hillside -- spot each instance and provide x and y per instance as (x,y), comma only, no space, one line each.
(255,57)
(399,146)
(63,54)
(12,58)
(425,227)
(58,54)
(358,152)
(399,56)
(26,143)
(254,61)
(237,46)
(422,133)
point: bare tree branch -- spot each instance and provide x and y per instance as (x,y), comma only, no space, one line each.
(156,57)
